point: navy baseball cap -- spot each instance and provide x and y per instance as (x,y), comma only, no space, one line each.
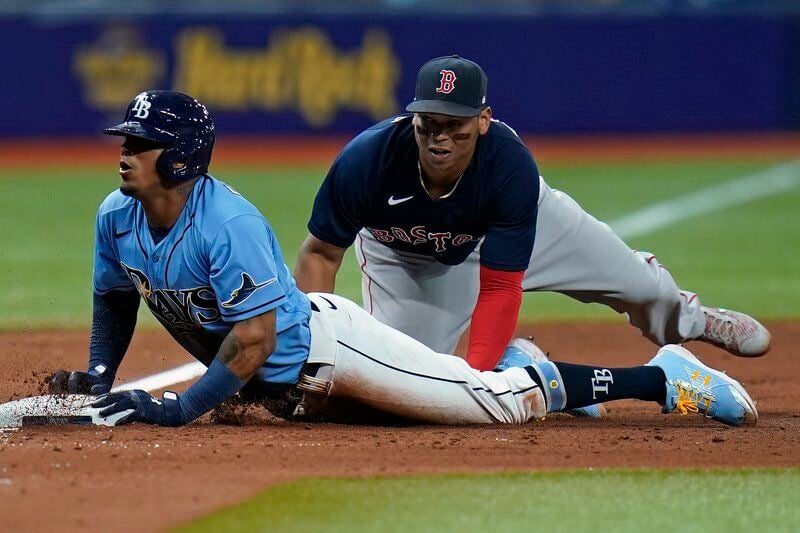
(450,85)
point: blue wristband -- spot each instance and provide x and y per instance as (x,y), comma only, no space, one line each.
(214,387)
(553,384)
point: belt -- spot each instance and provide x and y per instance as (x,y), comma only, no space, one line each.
(282,399)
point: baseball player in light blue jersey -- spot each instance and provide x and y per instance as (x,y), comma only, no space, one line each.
(209,267)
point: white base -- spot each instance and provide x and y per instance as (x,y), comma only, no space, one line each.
(54,410)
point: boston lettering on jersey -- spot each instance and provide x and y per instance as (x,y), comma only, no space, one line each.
(375,183)
(419,235)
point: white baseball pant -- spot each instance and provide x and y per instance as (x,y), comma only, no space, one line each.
(358,358)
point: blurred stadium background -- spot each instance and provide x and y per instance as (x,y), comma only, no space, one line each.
(555,66)
(625,104)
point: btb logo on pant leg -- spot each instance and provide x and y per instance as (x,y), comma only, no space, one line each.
(600,382)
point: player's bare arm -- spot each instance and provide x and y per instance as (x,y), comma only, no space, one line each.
(248,345)
(243,351)
(317,265)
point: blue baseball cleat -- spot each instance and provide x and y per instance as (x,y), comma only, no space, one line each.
(692,387)
(523,352)
(590,411)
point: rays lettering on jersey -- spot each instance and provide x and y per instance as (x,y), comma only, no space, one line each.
(420,235)
(183,310)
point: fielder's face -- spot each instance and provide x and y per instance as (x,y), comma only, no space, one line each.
(137,167)
(446,143)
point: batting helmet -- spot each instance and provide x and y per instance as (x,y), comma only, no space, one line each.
(177,120)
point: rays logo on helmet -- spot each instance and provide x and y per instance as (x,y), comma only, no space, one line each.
(141,106)
(177,120)
(245,290)
(447,83)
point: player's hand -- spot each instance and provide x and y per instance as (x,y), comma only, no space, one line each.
(65,382)
(142,406)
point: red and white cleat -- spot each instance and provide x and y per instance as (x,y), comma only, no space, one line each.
(738,333)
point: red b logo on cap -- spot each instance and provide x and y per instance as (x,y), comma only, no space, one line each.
(447,83)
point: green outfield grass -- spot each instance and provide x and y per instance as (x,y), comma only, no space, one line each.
(604,500)
(742,257)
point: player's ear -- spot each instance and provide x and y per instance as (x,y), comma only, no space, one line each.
(484,120)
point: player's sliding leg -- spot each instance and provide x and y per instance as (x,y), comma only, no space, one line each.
(579,256)
(675,378)
(354,356)
(431,302)
(523,352)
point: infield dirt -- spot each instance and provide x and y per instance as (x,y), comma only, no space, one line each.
(141,477)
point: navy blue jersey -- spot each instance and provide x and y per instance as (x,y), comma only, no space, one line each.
(375,184)
(219,264)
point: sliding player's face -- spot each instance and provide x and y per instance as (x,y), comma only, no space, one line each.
(137,166)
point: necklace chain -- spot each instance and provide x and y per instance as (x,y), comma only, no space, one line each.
(449,193)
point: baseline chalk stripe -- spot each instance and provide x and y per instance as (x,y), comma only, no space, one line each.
(739,191)
(166,378)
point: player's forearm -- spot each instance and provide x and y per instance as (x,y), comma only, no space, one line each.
(316,269)
(314,273)
(246,347)
(113,323)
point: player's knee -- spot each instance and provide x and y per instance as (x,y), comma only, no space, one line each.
(656,285)
(648,259)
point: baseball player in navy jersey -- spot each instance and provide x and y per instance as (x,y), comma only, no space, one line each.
(209,267)
(452,223)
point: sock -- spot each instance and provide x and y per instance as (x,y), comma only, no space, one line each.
(567,386)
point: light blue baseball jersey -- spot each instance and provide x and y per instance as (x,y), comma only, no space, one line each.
(219,264)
